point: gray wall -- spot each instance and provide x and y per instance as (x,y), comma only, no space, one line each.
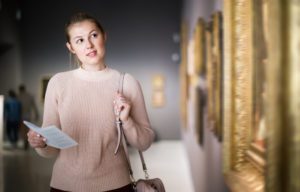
(139,42)
(10,56)
(206,159)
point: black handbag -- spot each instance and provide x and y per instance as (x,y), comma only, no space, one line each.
(144,184)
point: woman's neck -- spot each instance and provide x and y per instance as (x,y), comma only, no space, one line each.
(94,67)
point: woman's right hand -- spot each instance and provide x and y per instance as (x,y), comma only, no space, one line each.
(36,140)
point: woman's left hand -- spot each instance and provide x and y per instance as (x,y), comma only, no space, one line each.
(122,106)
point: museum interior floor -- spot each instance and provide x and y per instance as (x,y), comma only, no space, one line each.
(25,171)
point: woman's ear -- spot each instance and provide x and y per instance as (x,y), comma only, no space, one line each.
(69,46)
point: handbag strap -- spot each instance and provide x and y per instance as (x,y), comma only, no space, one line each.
(122,137)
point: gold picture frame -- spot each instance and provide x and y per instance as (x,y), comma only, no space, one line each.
(214,70)
(183,74)
(282,113)
(210,77)
(199,50)
(240,173)
(217,63)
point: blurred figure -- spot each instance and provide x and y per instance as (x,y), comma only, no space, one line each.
(12,115)
(29,111)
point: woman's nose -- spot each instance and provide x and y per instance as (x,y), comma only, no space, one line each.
(89,44)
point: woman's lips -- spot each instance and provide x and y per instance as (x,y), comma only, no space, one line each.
(91,54)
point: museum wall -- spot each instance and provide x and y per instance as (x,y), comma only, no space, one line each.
(142,40)
(205,157)
(10,55)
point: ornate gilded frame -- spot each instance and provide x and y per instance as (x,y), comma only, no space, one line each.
(282,107)
(240,174)
(183,74)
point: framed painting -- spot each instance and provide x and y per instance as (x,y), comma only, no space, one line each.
(261,149)
(210,77)
(158,90)
(183,74)
(240,173)
(217,63)
(199,49)
(199,100)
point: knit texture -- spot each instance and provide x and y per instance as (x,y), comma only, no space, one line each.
(80,103)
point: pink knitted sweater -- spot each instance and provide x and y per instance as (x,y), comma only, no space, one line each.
(81,104)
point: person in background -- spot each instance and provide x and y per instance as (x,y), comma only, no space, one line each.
(12,115)
(83,103)
(29,111)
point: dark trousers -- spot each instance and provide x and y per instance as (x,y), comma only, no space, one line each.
(127,188)
(12,128)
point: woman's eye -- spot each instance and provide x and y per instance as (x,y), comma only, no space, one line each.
(94,35)
(78,41)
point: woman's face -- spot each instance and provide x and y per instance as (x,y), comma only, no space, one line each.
(88,43)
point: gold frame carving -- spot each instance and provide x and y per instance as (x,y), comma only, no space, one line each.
(282,155)
(240,173)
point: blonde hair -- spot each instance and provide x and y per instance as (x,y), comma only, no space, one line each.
(79,17)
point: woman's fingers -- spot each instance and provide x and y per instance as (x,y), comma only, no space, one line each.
(36,140)
(122,104)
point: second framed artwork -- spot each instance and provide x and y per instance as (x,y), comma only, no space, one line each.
(214,62)
(183,74)
(198,80)
(217,62)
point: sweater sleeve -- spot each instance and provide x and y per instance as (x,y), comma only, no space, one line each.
(50,116)
(137,128)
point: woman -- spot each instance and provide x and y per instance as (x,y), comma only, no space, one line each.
(81,103)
